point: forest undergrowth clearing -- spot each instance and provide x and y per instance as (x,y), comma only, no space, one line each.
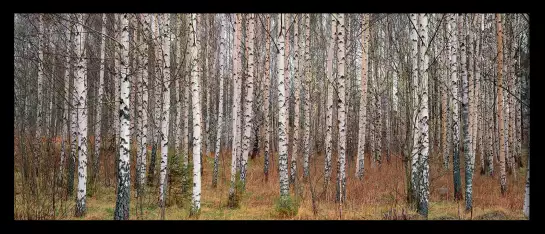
(380,195)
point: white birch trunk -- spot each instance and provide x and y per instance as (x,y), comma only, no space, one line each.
(329,102)
(296,78)
(282,113)
(236,103)
(306,152)
(81,87)
(341,105)
(248,110)
(123,177)
(222,60)
(363,99)
(266,102)
(416,104)
(196,106)
(41,43)
(67,97)
(100,94)
(165,49)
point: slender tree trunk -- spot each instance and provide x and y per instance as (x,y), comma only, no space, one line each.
(39,111)
(266,101)
(81,87)
(222,60)
(341,105)
(248,110)
(165,49)
(99,104)
(306,152)
(503,179)
(236,103)
(282,113)
(416,104)
(145,95)
(124,176)
(468,154)
(363,99)
(296,83)
(196,107)
(329,102)
(66,114)
(455,100)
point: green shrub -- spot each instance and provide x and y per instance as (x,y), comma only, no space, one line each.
(286,206)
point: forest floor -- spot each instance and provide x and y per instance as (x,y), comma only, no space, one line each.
(380,195)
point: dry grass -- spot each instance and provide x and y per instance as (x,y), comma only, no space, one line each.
(381,191)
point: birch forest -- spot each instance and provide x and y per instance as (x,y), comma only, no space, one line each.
(271,116)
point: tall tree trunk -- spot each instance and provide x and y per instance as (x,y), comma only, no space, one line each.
(248,110)
(145,95)
(124,176)
(423,118)
(468,153)
(266,101)
(363,99)
(99,98)
(503,179)
(282,113)
(306,152)
(236,102)
(196,107)
(165,49)
(296,83)
(66,114)
(341,105)
(454,102)
(416,104)
(329,102)
(39,111)
(222,60)
(81,87)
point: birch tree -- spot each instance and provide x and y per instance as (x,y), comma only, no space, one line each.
(454,102)
(236,102)
(65,114)
(123,178)
(100,97)
(248,101)
(145,95)
(466,120)
(196,107)
(81,90)
(306,152)
(222,60)
(266,101)
(341,107)
(165,49)
(282,113)
(296,84)
(416,103)
(329,103)
(499,31)
(363,98)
